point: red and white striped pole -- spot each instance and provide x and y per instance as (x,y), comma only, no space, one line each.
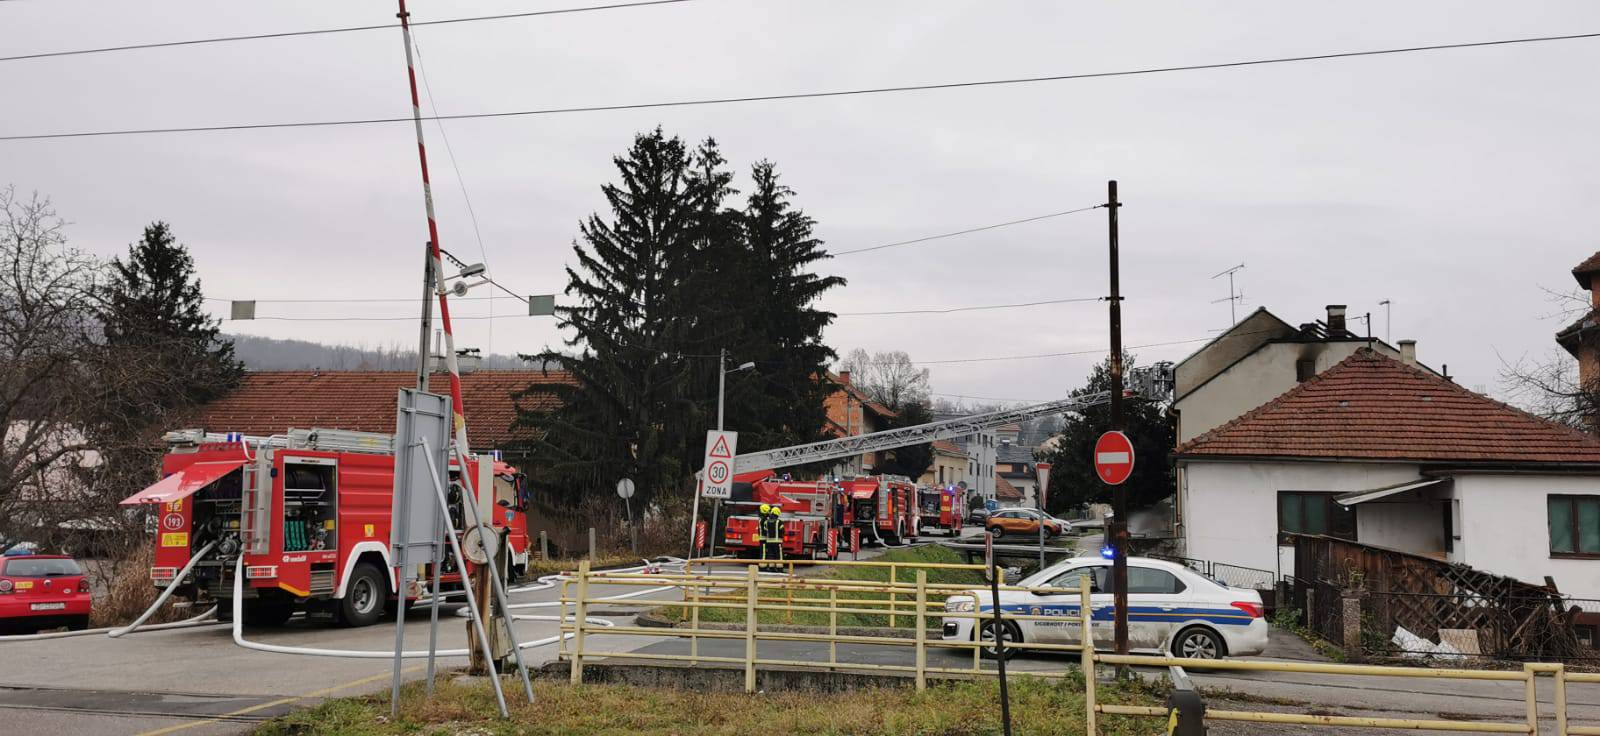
(456,405)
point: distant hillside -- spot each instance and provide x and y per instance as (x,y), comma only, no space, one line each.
(272,354)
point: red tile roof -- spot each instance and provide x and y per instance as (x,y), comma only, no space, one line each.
(269,402)
(1004,490)
(1589,266)
(1372,407)
(948,447)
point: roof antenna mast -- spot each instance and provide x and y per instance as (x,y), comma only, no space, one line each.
(1233,297)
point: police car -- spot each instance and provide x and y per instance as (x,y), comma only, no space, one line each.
(1171,609)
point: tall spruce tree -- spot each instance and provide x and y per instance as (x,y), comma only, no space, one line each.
(782,404)
(635,313)
(151,312)
(662,286)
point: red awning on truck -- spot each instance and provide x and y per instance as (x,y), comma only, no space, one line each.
(183,483)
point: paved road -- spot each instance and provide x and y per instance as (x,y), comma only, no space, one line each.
(197,681)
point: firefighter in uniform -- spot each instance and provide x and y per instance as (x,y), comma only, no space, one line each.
(771,528)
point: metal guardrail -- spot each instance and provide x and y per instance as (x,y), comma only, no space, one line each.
(754,593)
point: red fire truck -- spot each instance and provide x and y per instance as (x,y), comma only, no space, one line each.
(940,509)
(309,511)
(884,507)
(814,514)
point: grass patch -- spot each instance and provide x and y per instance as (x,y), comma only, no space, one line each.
(959,709)
(931,554)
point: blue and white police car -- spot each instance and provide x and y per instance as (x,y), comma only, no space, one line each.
(1171,609)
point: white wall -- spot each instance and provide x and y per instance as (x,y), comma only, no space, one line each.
(1231,509)
(1406,525)
(1256,379)
(1504,529)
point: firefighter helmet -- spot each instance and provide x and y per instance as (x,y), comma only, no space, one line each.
(766,508)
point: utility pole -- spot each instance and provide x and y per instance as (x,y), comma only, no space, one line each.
(1119,526)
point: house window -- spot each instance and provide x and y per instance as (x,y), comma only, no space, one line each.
(1574,526)
(1301,512)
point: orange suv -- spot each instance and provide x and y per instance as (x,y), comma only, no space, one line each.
(1020,522)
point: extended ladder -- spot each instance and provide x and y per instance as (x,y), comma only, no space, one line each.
(906,436)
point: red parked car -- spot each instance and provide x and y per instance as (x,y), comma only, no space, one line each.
(43,592)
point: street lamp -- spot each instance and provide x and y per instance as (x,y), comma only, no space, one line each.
(716,505)
(722,380)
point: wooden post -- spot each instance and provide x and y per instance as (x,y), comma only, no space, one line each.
(1086,642)
(579,622)
(591,544)
(544,545)
(922,629)
(750,593)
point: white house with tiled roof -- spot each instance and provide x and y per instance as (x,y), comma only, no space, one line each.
(1383,452)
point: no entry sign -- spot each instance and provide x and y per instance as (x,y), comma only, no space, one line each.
(1113,458)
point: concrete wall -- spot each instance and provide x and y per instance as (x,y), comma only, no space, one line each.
(1504,529)
(1231,509)
(1258,378)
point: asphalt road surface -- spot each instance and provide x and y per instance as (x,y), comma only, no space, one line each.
(197,681)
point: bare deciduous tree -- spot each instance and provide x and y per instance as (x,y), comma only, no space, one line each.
(889,378)
(47,346)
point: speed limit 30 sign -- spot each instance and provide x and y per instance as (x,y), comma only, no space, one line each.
(717,481)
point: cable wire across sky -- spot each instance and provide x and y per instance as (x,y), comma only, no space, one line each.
(328,31)
(801,95)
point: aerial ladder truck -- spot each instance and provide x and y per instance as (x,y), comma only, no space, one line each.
(883,508)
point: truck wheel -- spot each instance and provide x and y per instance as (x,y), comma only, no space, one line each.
(267,612)
(362,604)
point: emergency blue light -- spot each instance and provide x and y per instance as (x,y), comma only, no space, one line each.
(1108,552)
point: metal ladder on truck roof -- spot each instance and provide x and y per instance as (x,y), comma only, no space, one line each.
(316,438)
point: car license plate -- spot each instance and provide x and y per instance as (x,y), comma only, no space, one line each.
(47,606)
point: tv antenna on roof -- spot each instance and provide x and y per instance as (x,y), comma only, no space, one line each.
(1234,298)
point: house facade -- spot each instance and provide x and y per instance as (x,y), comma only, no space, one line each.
(1382,451)
(949,466)
(851,412)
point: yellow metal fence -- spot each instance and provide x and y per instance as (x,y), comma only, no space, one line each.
(908,595)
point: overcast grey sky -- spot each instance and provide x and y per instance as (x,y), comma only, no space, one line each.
(1455,183)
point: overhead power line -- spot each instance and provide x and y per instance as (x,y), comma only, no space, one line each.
(969,309)
(805,95)
(327,31)
(949,310)
(968,231)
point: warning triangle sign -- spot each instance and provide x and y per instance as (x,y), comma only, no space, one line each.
(720,449)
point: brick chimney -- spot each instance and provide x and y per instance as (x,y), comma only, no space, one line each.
(1336,320)
(844,377)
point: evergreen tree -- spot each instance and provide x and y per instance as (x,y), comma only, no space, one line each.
(664,284)
(783,404)
(913,460)
(625,416)
(1073,481)
(151,312)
